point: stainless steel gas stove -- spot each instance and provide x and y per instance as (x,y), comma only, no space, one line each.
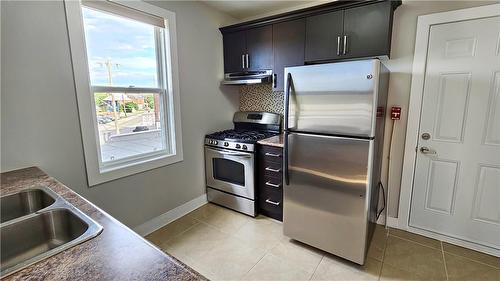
(230,160)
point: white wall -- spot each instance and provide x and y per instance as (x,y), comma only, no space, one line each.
(39,119)
(400,65)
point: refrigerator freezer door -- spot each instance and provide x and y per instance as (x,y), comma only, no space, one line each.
(325,200)
(336,98)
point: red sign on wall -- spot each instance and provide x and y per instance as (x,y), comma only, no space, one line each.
(396,113)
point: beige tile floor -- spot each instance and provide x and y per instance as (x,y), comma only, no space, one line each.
(225,245)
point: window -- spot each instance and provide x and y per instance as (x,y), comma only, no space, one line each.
(127,89)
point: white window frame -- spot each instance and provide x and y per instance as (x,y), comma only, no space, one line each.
(170,108)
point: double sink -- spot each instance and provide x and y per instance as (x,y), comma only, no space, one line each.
(35,224)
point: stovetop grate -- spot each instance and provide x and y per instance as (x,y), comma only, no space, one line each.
(241,135)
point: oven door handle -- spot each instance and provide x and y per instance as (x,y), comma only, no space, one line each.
(228,152)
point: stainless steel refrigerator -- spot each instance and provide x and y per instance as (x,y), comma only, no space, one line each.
(334,129)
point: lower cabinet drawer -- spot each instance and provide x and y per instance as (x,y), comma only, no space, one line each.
(271,203)
(271,183)
(272,169)
(271,154)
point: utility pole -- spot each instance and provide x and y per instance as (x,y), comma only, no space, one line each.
(109,67)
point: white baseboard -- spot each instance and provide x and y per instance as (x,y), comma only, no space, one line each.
(392,222)
(170,216)
(387,221)
(455,241)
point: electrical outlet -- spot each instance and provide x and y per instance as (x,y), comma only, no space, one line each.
(396,113)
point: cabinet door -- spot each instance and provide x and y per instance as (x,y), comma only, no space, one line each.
(288,45)
(260,48)
(234,49)
(322,34)
(368,30)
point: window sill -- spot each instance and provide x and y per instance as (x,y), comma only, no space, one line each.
(98,176)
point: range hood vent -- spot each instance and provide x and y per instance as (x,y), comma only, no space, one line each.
(248,77)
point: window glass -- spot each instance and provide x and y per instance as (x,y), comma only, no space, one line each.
(120,51)
(132,127)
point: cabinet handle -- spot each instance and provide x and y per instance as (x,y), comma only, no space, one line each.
(273,184)
(273,170)
(338,45)
(345,45)
(274,80)
(272,202)
(272,154)
(243,61)
(248,65)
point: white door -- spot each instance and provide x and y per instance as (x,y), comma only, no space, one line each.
(456,190)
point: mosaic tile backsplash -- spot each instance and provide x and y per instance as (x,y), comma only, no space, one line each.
(261,97)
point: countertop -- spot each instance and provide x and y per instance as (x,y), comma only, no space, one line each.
(117,253)
(276,141)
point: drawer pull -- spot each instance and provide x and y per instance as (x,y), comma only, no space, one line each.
(273,170)
(272,154)
(273,185)
(272,202)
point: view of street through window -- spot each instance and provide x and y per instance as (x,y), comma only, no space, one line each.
(132,128)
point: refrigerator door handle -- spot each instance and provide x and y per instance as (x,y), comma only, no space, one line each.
(287,99)
(285,159)
(287,107)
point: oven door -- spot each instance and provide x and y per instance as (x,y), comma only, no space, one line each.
(230,171)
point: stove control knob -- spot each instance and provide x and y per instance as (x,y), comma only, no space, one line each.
(238,146)
(226,143)
(215,142)
(244,147)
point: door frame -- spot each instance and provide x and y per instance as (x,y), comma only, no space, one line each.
(414,113)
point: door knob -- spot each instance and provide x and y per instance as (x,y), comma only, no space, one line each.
(426,150)
(426,136)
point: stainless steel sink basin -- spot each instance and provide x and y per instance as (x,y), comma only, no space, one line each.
(24,203)
(39,234)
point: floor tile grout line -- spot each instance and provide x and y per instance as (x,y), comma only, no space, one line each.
(268,251)
(457,255)
(444,261)
(383,255)
(385,246)
(221,230)
(178,234)
(315,269)
(412,241)
(470,259)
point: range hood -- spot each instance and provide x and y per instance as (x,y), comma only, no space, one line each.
(248,77)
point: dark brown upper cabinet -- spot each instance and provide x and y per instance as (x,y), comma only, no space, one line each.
(367,30)
(324,36)
(260,48)
(324,33)
(248,50)
(235,48)
(363,31)
(288,46)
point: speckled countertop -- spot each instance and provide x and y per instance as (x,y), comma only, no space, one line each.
(117,253)
(273,141)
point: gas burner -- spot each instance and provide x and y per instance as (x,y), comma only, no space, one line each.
(249,127)
(246,136)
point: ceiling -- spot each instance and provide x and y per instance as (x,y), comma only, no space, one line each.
(246,10)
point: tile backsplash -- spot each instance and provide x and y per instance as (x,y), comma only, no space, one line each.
(261,97)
